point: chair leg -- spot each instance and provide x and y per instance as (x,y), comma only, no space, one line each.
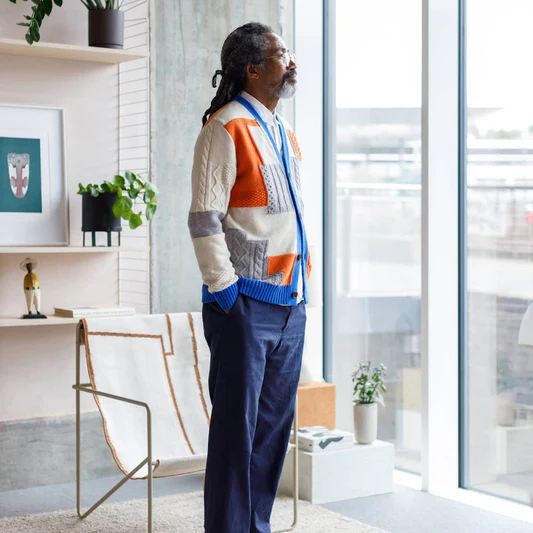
(78,439)
(111,491)
(85,387)
(150,470)
(150,525)
(147,461)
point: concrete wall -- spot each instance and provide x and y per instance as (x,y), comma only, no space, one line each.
(188,37)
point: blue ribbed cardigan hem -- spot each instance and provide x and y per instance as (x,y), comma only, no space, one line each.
(260,290)
(226,298)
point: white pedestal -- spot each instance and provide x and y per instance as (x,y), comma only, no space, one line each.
(364,470)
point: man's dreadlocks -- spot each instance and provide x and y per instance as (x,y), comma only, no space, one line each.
(244,46)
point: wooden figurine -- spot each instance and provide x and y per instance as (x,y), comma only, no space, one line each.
(32,288)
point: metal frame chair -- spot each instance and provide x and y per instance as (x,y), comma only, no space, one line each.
(86,387)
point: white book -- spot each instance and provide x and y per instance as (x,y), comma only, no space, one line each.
(317,439)
(93,311)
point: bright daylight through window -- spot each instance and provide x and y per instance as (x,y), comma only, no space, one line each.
(499,232)
(378,204)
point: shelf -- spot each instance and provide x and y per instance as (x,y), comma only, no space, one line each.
(70,249)
(52,320)
(66,51)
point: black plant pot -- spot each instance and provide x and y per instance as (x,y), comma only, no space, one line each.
(97,215)
(106,28)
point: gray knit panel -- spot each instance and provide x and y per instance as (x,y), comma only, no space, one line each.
(205,223)
(275,279)
(249,257)
(257,267)
(295,174)
(279,196)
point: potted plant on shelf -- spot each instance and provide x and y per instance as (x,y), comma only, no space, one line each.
(103,206)
(368,388)
(106,21)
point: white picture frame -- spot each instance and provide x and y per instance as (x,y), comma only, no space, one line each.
(34,192)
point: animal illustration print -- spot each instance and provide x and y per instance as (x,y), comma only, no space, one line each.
(19,173)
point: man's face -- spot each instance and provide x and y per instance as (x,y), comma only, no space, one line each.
(279,71)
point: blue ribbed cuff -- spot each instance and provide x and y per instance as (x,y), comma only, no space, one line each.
(227,297)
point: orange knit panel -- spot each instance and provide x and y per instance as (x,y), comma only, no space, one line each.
(249,189)
(309,266)
(295,144)
(284,263)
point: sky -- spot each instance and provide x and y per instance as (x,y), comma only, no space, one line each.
(379,47)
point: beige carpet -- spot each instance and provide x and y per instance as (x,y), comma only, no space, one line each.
(181,513)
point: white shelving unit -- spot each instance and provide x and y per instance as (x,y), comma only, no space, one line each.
(69,52)
(70,249)
(14,321)
(133,149)
(52,320)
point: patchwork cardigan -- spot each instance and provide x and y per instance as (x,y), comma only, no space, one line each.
(246,214)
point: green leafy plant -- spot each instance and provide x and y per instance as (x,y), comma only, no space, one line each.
(369,383)
(43,8)
(131,190)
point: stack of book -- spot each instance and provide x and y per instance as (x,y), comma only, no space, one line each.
(93,311)
(317,439)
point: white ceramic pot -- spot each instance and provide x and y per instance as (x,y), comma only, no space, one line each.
(365,417)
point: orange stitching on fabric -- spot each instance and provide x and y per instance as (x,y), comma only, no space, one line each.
(169,326)
(196,367)
(113,334)
(96,398)
(175,402)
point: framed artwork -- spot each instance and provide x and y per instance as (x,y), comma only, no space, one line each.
(33,184)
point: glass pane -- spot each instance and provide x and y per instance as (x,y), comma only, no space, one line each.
(378,211)
(499,225)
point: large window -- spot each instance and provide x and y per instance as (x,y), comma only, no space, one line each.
(499,239)
(378,210)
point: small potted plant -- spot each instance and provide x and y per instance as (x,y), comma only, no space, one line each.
(368,388)
(104,205)
(106,21)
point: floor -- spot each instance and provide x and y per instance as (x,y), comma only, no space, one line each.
(50,442)
(517,487)
(412,511)
(403,511)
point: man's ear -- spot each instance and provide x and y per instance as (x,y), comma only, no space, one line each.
(251,72)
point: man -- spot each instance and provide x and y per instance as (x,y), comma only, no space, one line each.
(246,224)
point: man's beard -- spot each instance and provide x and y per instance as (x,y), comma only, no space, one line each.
(287,88)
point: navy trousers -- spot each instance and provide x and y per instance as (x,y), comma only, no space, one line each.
(256,358)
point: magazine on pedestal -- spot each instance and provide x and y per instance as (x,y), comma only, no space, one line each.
(316,439)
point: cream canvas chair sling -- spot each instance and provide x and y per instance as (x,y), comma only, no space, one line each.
(148,375)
